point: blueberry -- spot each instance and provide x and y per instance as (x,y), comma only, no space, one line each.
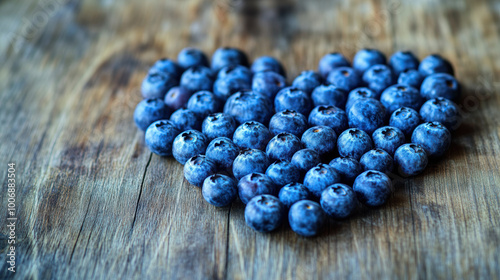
(366,58)
(177,97)
(149,111)
(320,177)
(379,77)
(167,66)
(223,152)
(372,188)
(329,95)
(345,78)
(331,61)
(434,63)
(197,78)
(235,72)
(250,161)
(411,78)
(366,114)
(293,99)
(330,116)
(185,119)
(292,193)
(388,138)
(198,168)
(219,190)
(354,143)
(406,119)
(160,136)
(441,110)
(283,146)
(156,84)
(347,167)
(268,63)
(440,85)
(255,184)
(218,125)
(305,159)
(288,121)
(307,81)
(338,201)
(252,135)
(322,139)
(378,160)
(223,88)
(397,96)
(189,57)
(283,172)
(188,144)
(410,159)
(264,213)
(249,106)
(203,103)
(268,84)
(306,218)
(227,56)
(402,61)
(433,137)
(359,93)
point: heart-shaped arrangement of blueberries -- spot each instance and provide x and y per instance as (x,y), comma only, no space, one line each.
(333,136)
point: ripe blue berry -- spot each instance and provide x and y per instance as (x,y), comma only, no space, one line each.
(307,81)
(167,66)
(338,201)
(197,78)
(406,119)
(293,99)
(268,83)
(305,159)
(219,190)
(379,77)
(283,172)
(149,111)
(283,146)
(177,97)
(156,84)
(388,138)
(330,116)
(397,96)
(403,60)
(255,184)
(329,95)
(378,160)
(249,106)
(225,87)
(252,135)
(203,103)
(347,167)
(354,143)
(198,168)
(410,159)
(218,125)
(188,144)
(320,177)
(267,64)
(440,85)
(223,152)
(227,56)
(264,213)
(288,121)
(366,58)
(372,188)
(441,110)
(306,218)
(235,72)
(411,78)
(321,139)
(359,93)
(345,78)
(185,119)
(433,137)
(293,193)
(331,61)
(366,114)
(160,136)
(434,63)
(250,161)
(189,57)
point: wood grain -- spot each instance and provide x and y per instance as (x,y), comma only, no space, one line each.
(93,202)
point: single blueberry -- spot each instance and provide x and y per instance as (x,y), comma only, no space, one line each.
(185,119)
(252,135)
(268,63)
(410,159)
(197,78)
(227,56)
(411,78)
(306,218)
(377,159)
(354,143)
(347,167)
(223,152)
(379,77)
(255,184)
(149,111)
(293,193)
(268,84)
(321,139)
(167,66)
(188,144)
(223,88)
(250,161)
(373,188)
(366,58)
(218,125)
(433,137)
(329,95)
(157,84)
(397,96)
(293,99)
(198,168)
(203,103)
(331,61)
(366,114)
(319,178)
(219,190)
(345,78)
(160,136)
(434,63)
(307,81)
(189,57)
(288,121)
(403,60)
(330,116)
(283,146)
(359,93)
(388,138)
(441,110)
(338,201)
(177,97)
(264,213)
(283,172)
(440,85)
(235,72)
(406,119)
(249,106)
(306,159)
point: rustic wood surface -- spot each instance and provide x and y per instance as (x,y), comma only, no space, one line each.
(93,202)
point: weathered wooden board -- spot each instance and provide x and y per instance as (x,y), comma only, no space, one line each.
(93,202)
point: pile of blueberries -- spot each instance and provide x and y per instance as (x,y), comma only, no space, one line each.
(323,146)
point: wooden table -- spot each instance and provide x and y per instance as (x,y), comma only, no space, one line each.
(93,202)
